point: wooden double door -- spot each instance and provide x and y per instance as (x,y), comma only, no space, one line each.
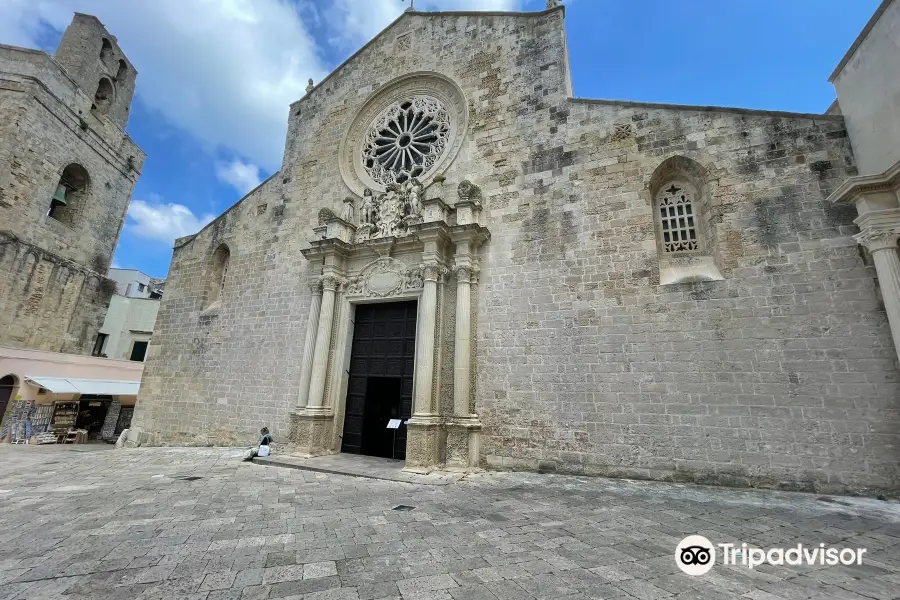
(380,388)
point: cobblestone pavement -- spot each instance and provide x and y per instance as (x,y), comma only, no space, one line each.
(94,523)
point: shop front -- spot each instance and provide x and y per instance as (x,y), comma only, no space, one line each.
(59,398)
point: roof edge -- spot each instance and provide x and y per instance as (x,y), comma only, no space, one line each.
(190,238)
(470,13)
(870,25)
(701,108)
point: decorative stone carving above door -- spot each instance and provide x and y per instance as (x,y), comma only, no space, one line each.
(385,277)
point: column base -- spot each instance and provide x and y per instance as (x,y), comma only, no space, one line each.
(463,443)
(310,432)
(423,444)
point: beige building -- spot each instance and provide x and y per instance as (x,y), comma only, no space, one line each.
(67,171)
(127,329)
(129,322)
(524,279)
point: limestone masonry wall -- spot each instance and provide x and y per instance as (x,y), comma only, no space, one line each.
(52,273)
(780,374)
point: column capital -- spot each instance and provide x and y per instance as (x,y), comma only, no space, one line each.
(877,239)
(464,273)
(315,287)
(332,283)
(434,272)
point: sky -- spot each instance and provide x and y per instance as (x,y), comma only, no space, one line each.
(216,77)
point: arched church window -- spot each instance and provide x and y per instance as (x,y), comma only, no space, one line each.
(103,99)
(70,194)
(218,274)
(123,70)
(406,139)
(676,210)
(105,50)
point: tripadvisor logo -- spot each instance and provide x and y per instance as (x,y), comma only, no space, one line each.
(696,555)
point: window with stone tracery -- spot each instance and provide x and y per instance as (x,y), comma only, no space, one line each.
(406,140)
(676,211)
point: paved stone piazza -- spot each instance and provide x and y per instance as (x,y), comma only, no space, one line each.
(95,523)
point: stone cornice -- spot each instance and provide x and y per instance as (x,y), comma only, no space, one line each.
(323,248)
(855,187)
(705,108)
(473,234)
(888,219)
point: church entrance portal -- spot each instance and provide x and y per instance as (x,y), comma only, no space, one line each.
(380,385)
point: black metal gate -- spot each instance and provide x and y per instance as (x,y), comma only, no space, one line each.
(381,379)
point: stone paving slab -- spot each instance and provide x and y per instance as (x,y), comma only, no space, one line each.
(200,524)
(370,467)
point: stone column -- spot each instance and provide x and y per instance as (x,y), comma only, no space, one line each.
(424,428)
(462,355)
(883,247)
(423,405)
(330,284)
(464,429)
(309,345)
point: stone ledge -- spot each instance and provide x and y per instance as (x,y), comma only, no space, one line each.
(351,465)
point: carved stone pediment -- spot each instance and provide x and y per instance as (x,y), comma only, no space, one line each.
(385,277)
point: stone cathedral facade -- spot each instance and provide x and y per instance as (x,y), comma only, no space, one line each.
(529,280)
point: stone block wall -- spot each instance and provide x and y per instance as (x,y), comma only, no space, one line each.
(50,303)
(781,375)
(54,286)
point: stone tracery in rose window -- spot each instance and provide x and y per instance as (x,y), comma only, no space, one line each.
(406,140)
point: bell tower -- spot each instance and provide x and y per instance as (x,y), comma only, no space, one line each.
(92,57)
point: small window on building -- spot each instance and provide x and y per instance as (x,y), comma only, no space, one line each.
(98,344)
(218,274)
(104,97)
(128,290)
(141,287)
(139,351)
(677,219)
(106,49)
(70,193)
(122,72)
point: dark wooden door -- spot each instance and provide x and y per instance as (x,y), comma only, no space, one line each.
(384,348)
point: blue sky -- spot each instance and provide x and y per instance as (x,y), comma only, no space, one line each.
(216,76)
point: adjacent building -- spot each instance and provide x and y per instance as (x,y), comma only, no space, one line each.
(129,322)
(532,280)
(67,172)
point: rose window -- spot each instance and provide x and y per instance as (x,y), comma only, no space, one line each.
(406,140)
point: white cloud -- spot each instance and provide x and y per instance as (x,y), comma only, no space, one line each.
(162,222)
(224,70)
(241,175)
(356,21)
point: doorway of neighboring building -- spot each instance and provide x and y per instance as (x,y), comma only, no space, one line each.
(382,362)
(7,384)
(91,414)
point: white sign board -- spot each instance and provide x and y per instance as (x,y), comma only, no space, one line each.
(394,423)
